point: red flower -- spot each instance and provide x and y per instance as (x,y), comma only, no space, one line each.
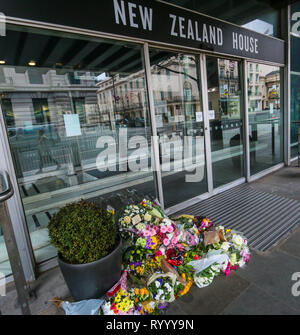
(196,257)
(174,257)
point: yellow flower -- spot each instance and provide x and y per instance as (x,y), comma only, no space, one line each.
(228,231)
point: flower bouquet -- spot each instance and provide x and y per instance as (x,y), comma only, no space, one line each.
(162,287)
(120,304)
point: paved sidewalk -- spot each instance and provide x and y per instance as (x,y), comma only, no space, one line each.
(263,287)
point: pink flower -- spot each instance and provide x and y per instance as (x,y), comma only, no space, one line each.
(180,247)
(166,242)
(152,232)
(246,256)
(164,229)
(146,233)
(170,229)
(175,240)
(227,271)
(158,253)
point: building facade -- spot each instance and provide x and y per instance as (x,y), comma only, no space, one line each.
(193,100)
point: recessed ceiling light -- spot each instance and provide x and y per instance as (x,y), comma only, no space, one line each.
(32,63)
(2,62)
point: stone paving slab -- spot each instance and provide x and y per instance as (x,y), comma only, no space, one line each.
(211,300)
(254,301)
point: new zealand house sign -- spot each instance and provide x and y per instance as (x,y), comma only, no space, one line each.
(154,21)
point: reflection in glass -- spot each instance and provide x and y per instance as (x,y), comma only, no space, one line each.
(226,124)
(80,91)
(265,117)
(179,120)
(295,113)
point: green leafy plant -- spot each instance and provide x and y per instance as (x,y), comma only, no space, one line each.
(83,232)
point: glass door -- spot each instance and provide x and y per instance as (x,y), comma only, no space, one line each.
(225,119)
(265,117)
(179,122)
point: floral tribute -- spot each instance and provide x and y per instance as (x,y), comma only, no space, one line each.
(164,257)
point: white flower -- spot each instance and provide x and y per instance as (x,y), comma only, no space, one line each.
(168,287)
(170,236)
(241,263)
(106,309)
(238,241)
(151,305)
(147,217)
(225,246)
(215,267)
(157,284)
(140,226)
(160,292)
(221,228)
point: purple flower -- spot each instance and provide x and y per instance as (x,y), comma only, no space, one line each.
(190,239)
(161,281)
(162,306)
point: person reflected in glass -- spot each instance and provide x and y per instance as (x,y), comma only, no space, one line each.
(44,151)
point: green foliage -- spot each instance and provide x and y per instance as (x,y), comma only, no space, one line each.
(188,269)
(83,233)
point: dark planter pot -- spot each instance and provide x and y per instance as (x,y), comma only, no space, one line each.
(92,280)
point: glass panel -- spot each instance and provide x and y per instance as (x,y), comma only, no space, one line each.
(295,78)
(179,119)
(295,113)
(265,119)
(5,268)
(226,124)
(76,134)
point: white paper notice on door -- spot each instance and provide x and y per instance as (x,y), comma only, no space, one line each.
(211,115)
(72,125)
(159,121)
(199,117)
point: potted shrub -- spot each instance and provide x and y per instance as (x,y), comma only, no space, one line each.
(89,248)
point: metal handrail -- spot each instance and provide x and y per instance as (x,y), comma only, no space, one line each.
(8,191)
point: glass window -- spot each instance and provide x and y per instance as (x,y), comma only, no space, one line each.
(76,139)
(180,125)
(265,121)
(8,112)
(41,111)
(79,108)
(35,76)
